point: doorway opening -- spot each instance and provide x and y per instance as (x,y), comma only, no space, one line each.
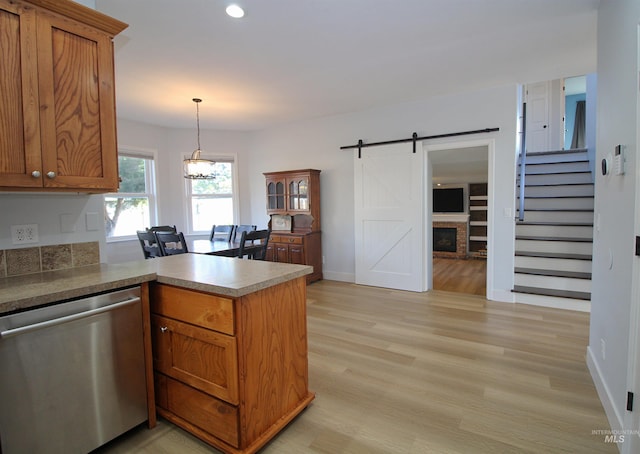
(458,229)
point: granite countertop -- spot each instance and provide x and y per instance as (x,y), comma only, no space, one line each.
(225,276)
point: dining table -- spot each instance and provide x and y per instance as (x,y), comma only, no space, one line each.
(217,247)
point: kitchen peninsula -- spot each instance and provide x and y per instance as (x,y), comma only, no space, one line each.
(228,338)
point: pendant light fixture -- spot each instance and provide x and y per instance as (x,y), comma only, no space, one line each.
(196,168)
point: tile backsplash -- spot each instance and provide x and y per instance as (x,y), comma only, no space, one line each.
(14,262)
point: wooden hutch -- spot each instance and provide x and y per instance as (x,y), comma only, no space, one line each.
(293,205)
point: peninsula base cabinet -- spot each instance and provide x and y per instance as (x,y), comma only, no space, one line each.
(231,371)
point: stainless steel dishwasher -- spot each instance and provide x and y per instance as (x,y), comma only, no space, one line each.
(72,374)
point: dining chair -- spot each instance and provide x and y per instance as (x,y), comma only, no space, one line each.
(221,233)
(252,250)
(149,244)
(242,228)
(171,243)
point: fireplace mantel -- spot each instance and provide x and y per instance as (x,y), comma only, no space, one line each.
(464,217)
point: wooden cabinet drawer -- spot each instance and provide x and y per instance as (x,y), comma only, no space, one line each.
(201,309)
(286,239)
(204,359)
(208,413)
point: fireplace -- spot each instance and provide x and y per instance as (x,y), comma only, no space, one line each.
(450,238)
(444,239)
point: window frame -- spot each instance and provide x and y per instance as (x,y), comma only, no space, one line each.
(188,196)
(150,156)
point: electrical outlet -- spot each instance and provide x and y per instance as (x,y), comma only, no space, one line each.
(23,234)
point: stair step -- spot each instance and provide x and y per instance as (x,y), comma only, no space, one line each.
(541,168)
(551,292)
(557,203)
(558,178)
(554,273)
(553,255)
(552,282)
(554,230)
(553,301)
(559,190)
(554,238)
(554,246)
(577,153)
(558,216)
(552,263)
(559,224)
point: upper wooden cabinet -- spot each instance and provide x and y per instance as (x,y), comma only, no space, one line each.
(295,192)
(57,112)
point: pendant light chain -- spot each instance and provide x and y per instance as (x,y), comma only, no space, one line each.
(198,101)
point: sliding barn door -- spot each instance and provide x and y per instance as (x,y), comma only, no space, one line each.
(389,207)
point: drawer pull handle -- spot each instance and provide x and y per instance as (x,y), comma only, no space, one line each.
(163,329)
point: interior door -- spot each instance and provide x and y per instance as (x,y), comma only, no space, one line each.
(537,98)
(389,206)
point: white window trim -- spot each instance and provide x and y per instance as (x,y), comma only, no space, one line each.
(146,153)
(233,158)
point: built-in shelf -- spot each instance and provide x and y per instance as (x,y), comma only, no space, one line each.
(478,201)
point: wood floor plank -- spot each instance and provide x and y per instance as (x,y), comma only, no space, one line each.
(436,372)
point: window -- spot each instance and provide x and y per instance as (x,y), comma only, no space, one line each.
(133,207)
(212,201)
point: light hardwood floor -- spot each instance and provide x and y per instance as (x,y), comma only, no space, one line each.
(460,276)
(436,372)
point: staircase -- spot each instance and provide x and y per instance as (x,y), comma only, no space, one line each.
(554,241)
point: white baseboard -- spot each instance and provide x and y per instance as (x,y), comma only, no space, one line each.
(504,296)
(604,393)
(338,276)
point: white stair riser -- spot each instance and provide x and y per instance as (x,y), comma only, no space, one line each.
(561,178)
(566,231)
(558,216)
(552,282)
(571,203)
(532,169)
(534,158)
(544,263)
(552,301)
(569,190)
(560,247)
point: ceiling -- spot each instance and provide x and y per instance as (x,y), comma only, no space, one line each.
(288,60)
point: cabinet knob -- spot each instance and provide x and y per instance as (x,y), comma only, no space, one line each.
(36,174)
(163,329)
(51,175)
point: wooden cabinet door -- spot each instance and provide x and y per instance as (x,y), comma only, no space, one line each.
(282,253)
(276,195)
(19,125)
(77,105)
(204,359)
(298,193)
(296,254)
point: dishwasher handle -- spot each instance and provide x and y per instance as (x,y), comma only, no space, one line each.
(68,318)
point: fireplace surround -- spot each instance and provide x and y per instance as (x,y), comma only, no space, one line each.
(444,246)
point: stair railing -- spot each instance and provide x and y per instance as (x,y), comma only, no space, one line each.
(523,158)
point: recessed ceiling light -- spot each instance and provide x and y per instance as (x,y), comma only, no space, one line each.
(235,11)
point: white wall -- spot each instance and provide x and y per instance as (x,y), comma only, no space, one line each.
(615,198)
(316,144)
(170,145)
(61,218)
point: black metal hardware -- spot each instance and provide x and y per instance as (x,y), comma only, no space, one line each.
(629,401)
(415,138)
